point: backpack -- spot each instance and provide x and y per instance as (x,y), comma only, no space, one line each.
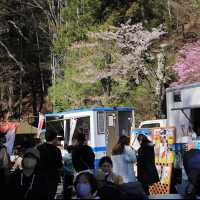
(133,190)
(109,191)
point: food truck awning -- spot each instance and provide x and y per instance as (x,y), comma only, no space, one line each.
(182,109)
(26,128)
(186,107)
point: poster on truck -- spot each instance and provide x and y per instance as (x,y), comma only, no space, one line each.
(164,139)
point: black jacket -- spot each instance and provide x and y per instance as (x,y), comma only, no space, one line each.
(83,157)
(50,161)
(20,186)
(147,172)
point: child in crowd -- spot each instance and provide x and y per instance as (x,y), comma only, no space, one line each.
(85,185)
(105,173)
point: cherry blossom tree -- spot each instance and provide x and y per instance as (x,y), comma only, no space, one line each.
(132,41)
(187,66)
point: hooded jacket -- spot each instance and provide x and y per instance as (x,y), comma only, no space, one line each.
(28,187)
(147,172)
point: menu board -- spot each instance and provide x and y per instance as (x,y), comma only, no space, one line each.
(163,139)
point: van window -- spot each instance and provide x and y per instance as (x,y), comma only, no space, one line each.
(177,96)
(150,125)
(101,122)
(83,125)
(56,123)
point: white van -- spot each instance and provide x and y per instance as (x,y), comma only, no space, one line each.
(153,123)
(102,126)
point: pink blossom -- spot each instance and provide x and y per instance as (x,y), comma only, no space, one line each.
(187,66)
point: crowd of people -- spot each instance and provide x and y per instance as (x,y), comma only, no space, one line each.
(37,172)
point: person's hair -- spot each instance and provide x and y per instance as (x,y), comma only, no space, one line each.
(144,139)
(19,151)
(69,148)
(80,137)
(91,179)
(105,159)
(119,147)
(50,135)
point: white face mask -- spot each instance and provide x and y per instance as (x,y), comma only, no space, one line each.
(83,189)
(29,163)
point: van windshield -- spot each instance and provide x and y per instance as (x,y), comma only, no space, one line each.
(153,125)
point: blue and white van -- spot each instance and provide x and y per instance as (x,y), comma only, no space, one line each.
(101,125)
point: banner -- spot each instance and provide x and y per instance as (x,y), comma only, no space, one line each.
(40,124)
(10,140)
(10,129)
(6,126)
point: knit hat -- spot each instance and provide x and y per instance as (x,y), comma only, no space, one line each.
(33,152)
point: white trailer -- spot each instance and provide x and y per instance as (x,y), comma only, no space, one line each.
(102,126)
(183,110)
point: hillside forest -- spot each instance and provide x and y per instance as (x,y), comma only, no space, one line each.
(61,54)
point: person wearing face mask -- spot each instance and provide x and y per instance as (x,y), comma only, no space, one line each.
(85,186)
(28,184)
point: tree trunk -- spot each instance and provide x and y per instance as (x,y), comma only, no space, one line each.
(53,71)
(107,86)
(169,10)
(34,98)
(10,95)
(142,10)
(159,89)
(20,93)
(2,91)
(42,86)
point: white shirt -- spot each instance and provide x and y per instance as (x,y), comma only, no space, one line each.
(123,164)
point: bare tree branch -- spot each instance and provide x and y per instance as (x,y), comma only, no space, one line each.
(10,55)
(18,30)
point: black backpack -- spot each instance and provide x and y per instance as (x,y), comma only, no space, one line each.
(133,190)
(109,190)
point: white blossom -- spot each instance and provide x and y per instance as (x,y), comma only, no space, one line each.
(132,41)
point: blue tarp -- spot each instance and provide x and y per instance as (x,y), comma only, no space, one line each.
(145,131)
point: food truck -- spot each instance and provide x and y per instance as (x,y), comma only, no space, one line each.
(183,111)
(180,133)
(102,126)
